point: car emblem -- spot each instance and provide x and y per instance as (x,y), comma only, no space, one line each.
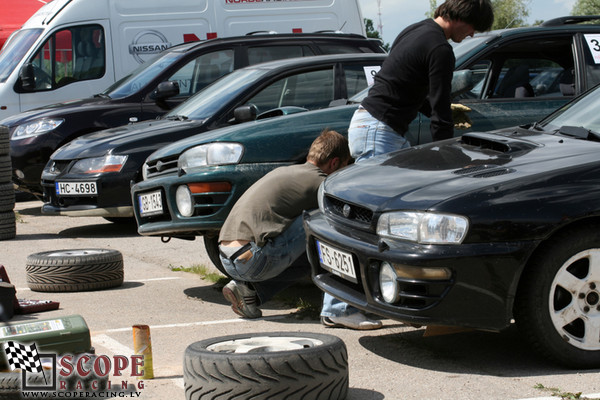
(159,166)
(53,167)
(346,210)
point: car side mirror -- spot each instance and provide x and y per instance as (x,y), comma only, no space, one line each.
(245,113)
(462,81)
(27,77)
(165,90)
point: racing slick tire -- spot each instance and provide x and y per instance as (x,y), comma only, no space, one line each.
(558,301)
(270,365)
(74,270)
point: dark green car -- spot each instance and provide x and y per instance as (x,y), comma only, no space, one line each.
(505,78)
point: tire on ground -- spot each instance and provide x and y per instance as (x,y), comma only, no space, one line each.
(8,225)
(5,169)
(74,270)
(7,197)
(274,365)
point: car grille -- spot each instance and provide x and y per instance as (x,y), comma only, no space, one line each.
(162,166)
(348,211)
(59,166)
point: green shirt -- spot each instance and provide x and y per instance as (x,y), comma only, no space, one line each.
(272,203)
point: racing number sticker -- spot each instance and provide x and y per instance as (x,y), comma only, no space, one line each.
(593,42)
(370,73)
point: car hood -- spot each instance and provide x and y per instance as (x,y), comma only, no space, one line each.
(121,140)
(57,110)
(422,177)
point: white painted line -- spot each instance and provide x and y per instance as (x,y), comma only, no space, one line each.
(582,397)
(169,278)
(200,323)
(116,347)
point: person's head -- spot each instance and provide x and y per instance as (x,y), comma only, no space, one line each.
(329,151)
(465,17)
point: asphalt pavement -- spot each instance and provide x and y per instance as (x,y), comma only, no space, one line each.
(396,362)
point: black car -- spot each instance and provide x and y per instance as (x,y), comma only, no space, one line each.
(475,231)
(92,175)
(154,89)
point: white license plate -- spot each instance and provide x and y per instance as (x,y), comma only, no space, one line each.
(150,203)
(76,188)
(337,261)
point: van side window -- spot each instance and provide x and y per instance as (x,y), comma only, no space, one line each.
(260,54)
(202,71)
(70,55)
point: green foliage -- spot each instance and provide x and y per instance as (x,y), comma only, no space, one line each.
(204,273)
(509,13)
(374,33)
(586,7)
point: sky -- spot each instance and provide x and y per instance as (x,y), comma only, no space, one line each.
(398,14)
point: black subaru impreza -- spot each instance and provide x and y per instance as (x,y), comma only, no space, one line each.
(475,231)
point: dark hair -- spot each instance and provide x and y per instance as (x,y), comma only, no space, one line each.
(328,145)
(478,13)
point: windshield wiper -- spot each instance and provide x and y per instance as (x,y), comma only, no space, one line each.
(176,117)
(579,132)
(102,95)
(536,127)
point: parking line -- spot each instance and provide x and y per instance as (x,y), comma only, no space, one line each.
(200,323)
(582,397)
(168,278)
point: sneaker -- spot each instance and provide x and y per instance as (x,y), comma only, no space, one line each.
(357,321)
(243,299)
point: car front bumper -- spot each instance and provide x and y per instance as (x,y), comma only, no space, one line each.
(479,293)
(210,208)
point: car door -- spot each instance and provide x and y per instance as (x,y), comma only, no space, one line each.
(516,82)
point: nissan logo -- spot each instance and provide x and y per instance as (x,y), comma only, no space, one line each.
(148,42)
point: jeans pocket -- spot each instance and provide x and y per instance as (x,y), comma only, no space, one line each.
(360,139)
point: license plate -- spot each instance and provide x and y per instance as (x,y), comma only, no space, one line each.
(338,262)
(150,203)
(76,188)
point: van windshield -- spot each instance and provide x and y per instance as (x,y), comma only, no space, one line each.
(142,75)
(214,97)
(15,49)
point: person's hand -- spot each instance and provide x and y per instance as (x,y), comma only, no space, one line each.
(460,117)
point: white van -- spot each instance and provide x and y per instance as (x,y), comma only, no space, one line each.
(75,48)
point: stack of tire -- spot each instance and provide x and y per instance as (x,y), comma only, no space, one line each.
(8,228)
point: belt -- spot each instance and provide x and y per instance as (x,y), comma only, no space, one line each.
(238,253)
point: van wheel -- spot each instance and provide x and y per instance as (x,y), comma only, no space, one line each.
(558,303)
(211,244)
(273,365)
(74,270)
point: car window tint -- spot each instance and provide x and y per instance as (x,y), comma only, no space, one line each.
(356,78)
(592,67)
(70,55)
(480,72)
(541,67)
(342,49)
(260,54)
(310,90)
(202,71)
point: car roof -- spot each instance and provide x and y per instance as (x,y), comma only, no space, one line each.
(264,36)
(313,60)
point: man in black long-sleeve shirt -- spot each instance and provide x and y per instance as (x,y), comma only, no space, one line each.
(416,76)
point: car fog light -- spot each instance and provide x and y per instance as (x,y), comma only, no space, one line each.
(390,290)
(185,202)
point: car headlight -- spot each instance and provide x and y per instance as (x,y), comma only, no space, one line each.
(423,227)
(320,197)
(36,128)
(210,154)
(99,165)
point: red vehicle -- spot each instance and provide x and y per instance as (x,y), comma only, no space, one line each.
(14,14)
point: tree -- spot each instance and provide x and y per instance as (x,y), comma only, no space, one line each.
(373,33)
(507,13)
(586,7)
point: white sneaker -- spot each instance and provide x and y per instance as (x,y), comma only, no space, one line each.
(357,321)
(243,299)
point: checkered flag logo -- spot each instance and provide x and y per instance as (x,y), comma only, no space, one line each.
(24,357)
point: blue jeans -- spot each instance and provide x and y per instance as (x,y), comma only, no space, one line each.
(272,267)
(369,137)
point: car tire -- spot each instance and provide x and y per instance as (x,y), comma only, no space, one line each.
(8,225)
(7,197)
(74,270)
(4,141)
(5,169)
(559,297)
(211,244)
(273,365)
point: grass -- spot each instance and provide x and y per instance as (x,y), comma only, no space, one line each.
(204,272)
(19,217)
(561,394)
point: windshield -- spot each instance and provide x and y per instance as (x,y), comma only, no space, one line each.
(15,49)
(468,44)
(209,100)
(142,75)
(582,112)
